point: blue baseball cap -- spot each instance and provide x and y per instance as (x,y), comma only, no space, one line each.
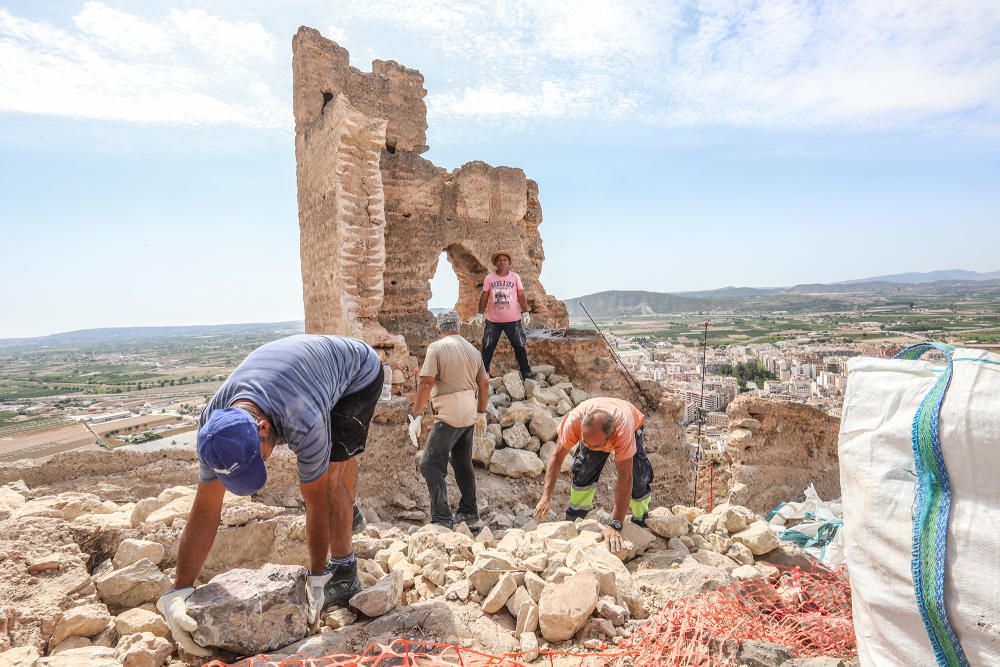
(229,444)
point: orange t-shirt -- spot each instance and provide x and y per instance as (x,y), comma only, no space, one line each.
(627,420)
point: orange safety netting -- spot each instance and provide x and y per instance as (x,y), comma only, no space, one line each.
(809,613)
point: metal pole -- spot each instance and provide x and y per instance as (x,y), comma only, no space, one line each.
(701,415)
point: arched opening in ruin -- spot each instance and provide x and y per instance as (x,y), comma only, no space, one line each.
(444,285)
(470,273)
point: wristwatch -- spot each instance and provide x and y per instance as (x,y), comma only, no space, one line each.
(616,524)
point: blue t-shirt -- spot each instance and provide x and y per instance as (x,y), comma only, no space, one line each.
(295,381)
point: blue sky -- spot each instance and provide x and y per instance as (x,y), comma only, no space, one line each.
(147,171)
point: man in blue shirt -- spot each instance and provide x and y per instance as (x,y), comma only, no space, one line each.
(318,395)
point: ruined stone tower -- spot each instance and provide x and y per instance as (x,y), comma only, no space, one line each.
(374,216)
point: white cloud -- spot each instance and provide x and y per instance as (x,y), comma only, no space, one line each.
(187,68)
(859,64)
(336,33)
(121,32)
(851,65)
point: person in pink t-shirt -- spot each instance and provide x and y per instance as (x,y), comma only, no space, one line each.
(506,311)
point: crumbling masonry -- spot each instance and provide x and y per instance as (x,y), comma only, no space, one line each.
(374,216)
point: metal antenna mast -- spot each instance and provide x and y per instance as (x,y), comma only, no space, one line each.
(701,412)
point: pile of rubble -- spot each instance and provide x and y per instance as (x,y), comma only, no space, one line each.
(523,417)
(557,581)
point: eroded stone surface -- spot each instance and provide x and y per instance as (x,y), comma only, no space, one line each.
(374,216)
(793,446)
(251,611)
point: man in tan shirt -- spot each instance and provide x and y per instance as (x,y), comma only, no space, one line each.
(454,379)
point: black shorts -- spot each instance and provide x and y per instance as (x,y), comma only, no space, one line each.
(349,420)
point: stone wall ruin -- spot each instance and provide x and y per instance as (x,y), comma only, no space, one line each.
(375,216)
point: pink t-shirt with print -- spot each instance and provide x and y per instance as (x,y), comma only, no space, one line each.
(502,305)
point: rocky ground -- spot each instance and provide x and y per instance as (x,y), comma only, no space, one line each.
(76,594)
(79,573)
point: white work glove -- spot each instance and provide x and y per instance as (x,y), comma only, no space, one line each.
(525,319)
(316,595)
(171,606)
(478,319)
(480,429)
(415,430)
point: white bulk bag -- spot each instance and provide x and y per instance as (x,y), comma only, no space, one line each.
(886,523)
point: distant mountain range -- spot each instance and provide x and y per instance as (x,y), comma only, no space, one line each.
(901,289)
(138,334)
(927,277)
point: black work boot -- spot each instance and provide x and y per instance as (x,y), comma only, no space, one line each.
(359,523)
(342,585)
(471,520)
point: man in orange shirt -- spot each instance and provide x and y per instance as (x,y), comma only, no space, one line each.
(602,426)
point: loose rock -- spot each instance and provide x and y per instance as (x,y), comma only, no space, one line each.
(529,647)
(758,537)
(666,524)
(132,585)
(82,621)
(516,463)
(143,650)
(138,620)
(339,618)
(132,551)
(91,656)
(514,385)
(500,593)
(251,611)
(564,608)
(544,427)
(381,598)
(69,644)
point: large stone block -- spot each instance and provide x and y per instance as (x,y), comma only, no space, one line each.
(91,656)
(565,607)
(483,448)
(251,611)
(514,385)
